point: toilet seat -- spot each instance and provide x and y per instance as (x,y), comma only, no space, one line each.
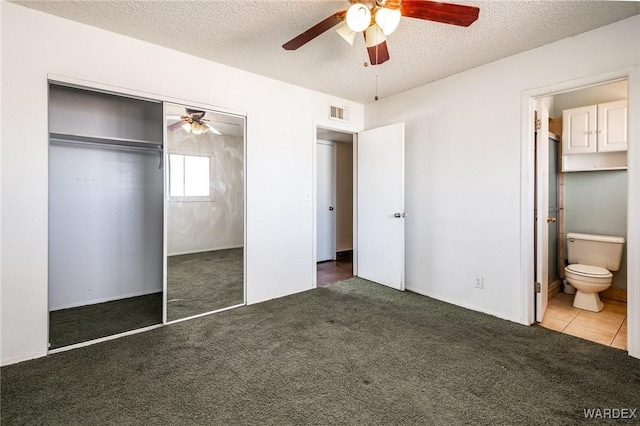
(588,271)
(588,281)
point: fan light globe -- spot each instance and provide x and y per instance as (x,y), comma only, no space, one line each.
(196,129)
(358,17)
(346,33)
(388,19)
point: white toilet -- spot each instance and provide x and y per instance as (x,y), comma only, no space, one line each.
(591,260)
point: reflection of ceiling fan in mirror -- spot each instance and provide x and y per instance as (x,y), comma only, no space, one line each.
(377,19)
(193,122)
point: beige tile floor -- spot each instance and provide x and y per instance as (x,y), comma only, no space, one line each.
(607,327)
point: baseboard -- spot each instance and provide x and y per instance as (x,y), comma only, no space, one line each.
(109,299)
(347,250)
(344,254)
(180,253)
(22,358)
(614,293)
(103,339)
(467,306)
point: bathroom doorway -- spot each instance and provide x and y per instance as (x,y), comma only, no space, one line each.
(584,192)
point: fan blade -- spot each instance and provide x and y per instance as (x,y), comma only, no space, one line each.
(315,31)
(378,54)
(447,13)
(213,129)
(175,125)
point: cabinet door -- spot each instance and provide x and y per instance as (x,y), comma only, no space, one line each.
(579,130)
(612,126)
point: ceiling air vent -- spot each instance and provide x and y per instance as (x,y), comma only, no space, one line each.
(339,113)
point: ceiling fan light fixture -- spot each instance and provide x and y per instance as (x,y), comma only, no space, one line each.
(186,126)
(346,33)
(358,17)
(374,36)
(388,19)
(196,128)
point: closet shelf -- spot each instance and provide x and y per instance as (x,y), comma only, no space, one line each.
(82,139)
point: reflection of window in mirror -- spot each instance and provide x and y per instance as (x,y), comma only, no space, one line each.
(190,177)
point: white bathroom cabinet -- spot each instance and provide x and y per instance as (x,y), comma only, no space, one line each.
(595,137)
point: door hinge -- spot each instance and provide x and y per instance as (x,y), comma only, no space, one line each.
(538,124)
(537,287)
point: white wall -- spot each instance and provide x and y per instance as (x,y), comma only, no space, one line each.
(105,225)
(463,165)
(1,139)
(344,196)
(281,121)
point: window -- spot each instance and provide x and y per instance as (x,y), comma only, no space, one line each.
(190,178)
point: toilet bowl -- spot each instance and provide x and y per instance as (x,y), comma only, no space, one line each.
(592,258)
(588,280)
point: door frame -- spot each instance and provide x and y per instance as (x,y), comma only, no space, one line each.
(314,200)
(527,187)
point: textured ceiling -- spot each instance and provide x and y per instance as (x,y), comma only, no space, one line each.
(248,34)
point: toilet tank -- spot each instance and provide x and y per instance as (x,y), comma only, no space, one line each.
(595,250)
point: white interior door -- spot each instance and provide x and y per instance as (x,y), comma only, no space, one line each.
(325,172)
(381,205)
(542,209)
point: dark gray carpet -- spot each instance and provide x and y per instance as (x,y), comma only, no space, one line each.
(204,282)
(353,353)
(84,323)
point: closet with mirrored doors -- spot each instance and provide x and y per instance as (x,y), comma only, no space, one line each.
(146,213)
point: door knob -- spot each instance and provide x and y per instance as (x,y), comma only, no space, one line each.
(330,208)
(397,215)
(551,220)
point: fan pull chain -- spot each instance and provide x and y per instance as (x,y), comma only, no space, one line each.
(376,98)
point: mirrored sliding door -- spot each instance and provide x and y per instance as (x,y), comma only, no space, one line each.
(204,193)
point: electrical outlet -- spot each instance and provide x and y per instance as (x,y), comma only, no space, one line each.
(479,282)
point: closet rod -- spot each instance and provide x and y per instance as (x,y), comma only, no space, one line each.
(117,143)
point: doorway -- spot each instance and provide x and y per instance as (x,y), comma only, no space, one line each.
(334,206)
(580,192)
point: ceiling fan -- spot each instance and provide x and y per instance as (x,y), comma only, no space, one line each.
(379,18)
(193,122)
